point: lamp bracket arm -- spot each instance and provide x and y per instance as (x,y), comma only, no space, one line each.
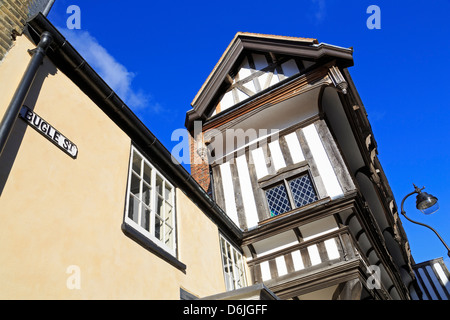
(432,229)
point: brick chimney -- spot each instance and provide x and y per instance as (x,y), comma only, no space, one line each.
(199,160)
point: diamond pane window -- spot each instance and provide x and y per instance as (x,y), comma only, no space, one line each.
(302,191)
(278,200)
(290,193)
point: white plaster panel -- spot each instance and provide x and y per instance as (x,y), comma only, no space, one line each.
(322,161)
(244,72)
(294,147)
(265,270)
(281,266)
(289,68)
(314,255)
(260,163)
(227,101)
(332,249)
(251,213)
(260,61)
(228,190)
(442,276)
(297,260)
(277,155)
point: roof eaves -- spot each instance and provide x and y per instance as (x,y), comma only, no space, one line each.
(70,62)
(309,41)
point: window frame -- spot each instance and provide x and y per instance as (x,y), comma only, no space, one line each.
(284,179)
(231,285)
(150,234)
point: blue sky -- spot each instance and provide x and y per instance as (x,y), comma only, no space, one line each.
(157,55)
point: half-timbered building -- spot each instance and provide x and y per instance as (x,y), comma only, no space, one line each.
(286,198)
(281,140)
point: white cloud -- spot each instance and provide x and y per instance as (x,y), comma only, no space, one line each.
(319,10)
(115,74)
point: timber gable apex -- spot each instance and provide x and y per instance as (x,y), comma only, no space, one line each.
(253,64)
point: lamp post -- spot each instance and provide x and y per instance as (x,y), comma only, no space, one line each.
(427,204)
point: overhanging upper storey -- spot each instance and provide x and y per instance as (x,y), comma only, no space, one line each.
(255,63)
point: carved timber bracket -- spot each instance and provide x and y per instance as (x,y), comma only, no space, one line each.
(338,79)
(202,151)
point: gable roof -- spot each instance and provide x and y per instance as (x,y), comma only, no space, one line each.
(249,35)
(308,48)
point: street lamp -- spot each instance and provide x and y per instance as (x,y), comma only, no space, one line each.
(427,204)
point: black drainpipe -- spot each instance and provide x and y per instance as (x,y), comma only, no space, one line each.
(11,114)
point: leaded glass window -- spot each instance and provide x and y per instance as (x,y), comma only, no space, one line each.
(290,194)
(278,200)
(302,190)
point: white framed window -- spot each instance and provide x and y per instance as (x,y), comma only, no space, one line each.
(150,204)
(233,266)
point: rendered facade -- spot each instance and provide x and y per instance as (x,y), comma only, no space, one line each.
(114,219)
(286,198)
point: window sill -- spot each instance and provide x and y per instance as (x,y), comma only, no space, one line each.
(148,244)
(295,211)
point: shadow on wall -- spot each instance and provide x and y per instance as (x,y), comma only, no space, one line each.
(9,154)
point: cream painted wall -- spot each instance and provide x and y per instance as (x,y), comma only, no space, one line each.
(199,249)
(58,212)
